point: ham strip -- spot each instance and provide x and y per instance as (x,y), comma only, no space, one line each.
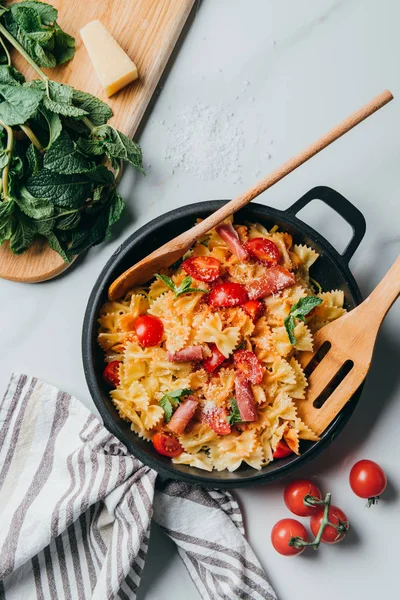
(182,415)
(231,239)
(244,398)
(274,280)
(187,354)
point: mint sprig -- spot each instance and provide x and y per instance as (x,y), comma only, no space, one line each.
(299,311)
(183,288)
(169,401)
(234,414)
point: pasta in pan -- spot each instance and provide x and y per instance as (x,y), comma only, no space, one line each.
(203,361)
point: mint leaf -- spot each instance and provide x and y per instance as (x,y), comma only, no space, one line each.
(167,281)
(170,399)
(36,208)
(4,158)
(184,288)
(167,407)
(179,393)
(55,244)
(6,222)
(63,157)
(10,76)
(34,160)
(64,45)
(54,125)
(62,190)
(118,146)
(19,103)
(23,233)
(234,414)
(299,310)
(98,111)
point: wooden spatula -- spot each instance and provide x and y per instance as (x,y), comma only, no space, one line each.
(351,341)
(171,251)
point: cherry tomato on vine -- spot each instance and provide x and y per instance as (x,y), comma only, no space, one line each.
(227,294)
(337,517)
(264,250)
(282,450)
(368,480)
(149,330)
(295,493)
(111,373)
(283,531)
(203,268)
(167,445)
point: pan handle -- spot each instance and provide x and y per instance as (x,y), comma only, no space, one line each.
(343,207)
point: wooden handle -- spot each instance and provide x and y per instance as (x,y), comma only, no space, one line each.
(237,203)
(374,308)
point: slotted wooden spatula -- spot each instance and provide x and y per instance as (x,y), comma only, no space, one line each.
(351,341)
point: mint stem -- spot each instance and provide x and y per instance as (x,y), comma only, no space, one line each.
(9,147)
(29,133)
(23,52)
(6,51)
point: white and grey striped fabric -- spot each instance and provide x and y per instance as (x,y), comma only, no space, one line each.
(76,509)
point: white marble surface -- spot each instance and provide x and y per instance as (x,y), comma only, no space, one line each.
(308,65)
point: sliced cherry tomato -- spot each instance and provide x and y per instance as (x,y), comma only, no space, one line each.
(254,308)
(294,495)
(283,531)
(217,418)
(247,362)
(282,450)
(215,360)
(167,445)
(227,294)
(111,373)
(368,480)
(204,268)
(264,250)
(336,516)
(149,330)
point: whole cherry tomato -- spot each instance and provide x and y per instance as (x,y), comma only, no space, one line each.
(167,445)
(203,268)
(149,330)
(368,480)
(283,531)
(111,373)
(336,516)
(295,493)
(264,250)
(227,294)
(254,308)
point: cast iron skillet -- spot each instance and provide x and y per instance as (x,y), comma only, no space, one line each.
(331,270)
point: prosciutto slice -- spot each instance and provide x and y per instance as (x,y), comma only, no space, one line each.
(244,398)
(187,354)
(231,238)
(182,415)
(274,280)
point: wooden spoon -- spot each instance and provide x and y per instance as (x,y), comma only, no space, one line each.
(351,339)
(169,253)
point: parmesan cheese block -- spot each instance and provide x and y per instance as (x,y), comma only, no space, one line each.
(113,66)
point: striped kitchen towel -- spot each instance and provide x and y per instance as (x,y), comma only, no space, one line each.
(76,509)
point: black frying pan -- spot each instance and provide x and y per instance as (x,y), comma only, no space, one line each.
(331,270)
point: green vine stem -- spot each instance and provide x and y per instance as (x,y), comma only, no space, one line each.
(29,133)
(298,542)
(8,150)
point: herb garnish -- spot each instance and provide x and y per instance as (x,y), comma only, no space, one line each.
(54,143)
(299,311)
(234,414)
(169,401)
(184,288)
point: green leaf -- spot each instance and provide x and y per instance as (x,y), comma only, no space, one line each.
(10,76)
(167,281)
(69,221)
(98,111)
(36,208)
(63,190)
(4,158)
(118,146)
(54,124)
(234,414)
(64,45)
(19,104)
(34,160)
(101,174)
(63,157)
(59,100)
(47,13)
(55,244)
(93,147)
(167,407)
(179,393)
(23,233)
(299,310)
(170,399)
(6,221)
(184,288)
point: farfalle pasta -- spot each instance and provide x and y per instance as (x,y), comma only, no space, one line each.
(203,361)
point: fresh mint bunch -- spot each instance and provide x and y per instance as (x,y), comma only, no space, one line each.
(59,158)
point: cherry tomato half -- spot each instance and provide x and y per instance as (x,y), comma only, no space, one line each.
(215,360)
(264,250)
(247,362)
(111,373)
(167,445)
(368,480)
(254,308)
(149,330)
(294,495)
(282,450)
(227,294)
(217,419)
(203,268)
(335,516)
(283,531)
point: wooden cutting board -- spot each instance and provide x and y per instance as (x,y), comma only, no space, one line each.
(148,31)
